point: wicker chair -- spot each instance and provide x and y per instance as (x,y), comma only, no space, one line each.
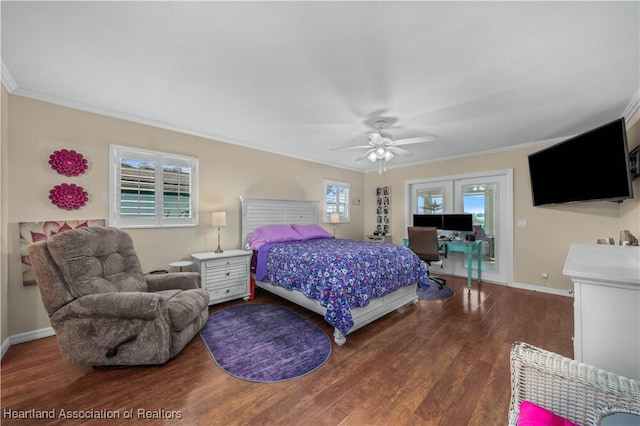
(578,392)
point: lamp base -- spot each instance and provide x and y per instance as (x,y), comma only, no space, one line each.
(219,250)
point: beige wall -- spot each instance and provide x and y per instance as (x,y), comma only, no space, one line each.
(630,212)
(4,142)
(543,245)
(32,130)
(226,172)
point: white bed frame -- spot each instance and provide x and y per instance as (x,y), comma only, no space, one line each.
(257,212)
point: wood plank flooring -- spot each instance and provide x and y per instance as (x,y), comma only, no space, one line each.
(429,363)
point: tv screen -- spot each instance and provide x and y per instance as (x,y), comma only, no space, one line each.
(457,222)
(588,167)
(434,220)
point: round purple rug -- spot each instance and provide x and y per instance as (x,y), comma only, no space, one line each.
(265,343)
(434,293)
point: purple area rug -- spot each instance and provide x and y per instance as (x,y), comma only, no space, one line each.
(434,293)
(265,343)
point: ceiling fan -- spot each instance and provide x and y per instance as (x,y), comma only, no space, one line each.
(382,148)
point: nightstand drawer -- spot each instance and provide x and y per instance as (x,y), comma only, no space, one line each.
(229,272)
(223,263)
(224,292)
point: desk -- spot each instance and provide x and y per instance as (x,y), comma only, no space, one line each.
(467,247)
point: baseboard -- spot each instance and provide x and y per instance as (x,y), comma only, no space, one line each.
(25,337)
(32,335)
(5,347)
(540,289)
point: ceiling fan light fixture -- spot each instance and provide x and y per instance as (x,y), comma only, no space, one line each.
(372,157)
(388,155)
(380,153)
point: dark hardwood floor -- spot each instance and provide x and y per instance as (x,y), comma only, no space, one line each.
(430,363)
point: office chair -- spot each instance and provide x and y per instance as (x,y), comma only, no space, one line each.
(423,241)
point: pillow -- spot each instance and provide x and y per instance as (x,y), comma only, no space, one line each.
(310,232)
(272,234)
(534,415)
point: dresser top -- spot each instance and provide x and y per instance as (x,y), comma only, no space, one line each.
(604,264)
(227,253)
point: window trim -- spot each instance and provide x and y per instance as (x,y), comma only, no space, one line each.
(118,152)
(347,206)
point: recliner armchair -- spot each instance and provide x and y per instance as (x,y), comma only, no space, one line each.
(104,309)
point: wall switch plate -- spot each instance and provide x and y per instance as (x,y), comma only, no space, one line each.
(356,201)
(522,223)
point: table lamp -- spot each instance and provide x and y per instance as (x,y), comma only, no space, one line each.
(218,219)
(334,218)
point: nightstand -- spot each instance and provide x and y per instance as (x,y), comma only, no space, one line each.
(224,275)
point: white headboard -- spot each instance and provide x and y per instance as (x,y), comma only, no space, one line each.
(257,212)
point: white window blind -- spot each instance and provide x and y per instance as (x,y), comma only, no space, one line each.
(336,199)
(151,189)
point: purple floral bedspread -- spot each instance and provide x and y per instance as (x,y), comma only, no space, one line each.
(340,274)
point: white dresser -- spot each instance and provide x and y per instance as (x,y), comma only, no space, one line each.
(224,275)
(606,282)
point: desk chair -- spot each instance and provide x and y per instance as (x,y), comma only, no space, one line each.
(423,241)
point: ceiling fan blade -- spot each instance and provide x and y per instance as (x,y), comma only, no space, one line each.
(418,139)
(366,154)
(399,151)
(351,147)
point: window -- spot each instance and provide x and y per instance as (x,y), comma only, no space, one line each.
(336,200)
(151,189)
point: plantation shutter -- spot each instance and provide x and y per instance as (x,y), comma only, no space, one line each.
(151,189)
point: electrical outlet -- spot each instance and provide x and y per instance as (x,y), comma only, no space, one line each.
(545,275)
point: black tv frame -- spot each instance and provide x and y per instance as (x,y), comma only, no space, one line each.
(574,171)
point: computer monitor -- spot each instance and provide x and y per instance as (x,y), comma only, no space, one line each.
(428,220)
(457,222)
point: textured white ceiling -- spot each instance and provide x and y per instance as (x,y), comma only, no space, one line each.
(300,78)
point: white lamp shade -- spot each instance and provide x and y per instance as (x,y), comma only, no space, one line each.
(334,218)
(372,157)
(218,218)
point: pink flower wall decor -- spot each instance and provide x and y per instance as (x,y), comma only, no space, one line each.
(68,163)
(68,196)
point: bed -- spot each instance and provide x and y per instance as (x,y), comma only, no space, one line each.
(361,306)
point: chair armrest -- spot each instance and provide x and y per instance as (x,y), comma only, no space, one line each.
(123,305)
(173,280)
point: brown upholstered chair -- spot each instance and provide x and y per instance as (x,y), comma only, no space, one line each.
(104,309)
(423,241)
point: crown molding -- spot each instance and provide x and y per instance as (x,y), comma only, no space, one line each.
(7,79)
(633,105)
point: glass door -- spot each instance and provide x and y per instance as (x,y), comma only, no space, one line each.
(485,196)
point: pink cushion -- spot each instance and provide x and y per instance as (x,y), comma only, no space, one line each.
(310,232)
(534,415)
(272,234)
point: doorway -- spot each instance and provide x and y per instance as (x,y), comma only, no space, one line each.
(488,197)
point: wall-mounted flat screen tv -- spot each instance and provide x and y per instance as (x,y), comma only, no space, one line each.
(589,167)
